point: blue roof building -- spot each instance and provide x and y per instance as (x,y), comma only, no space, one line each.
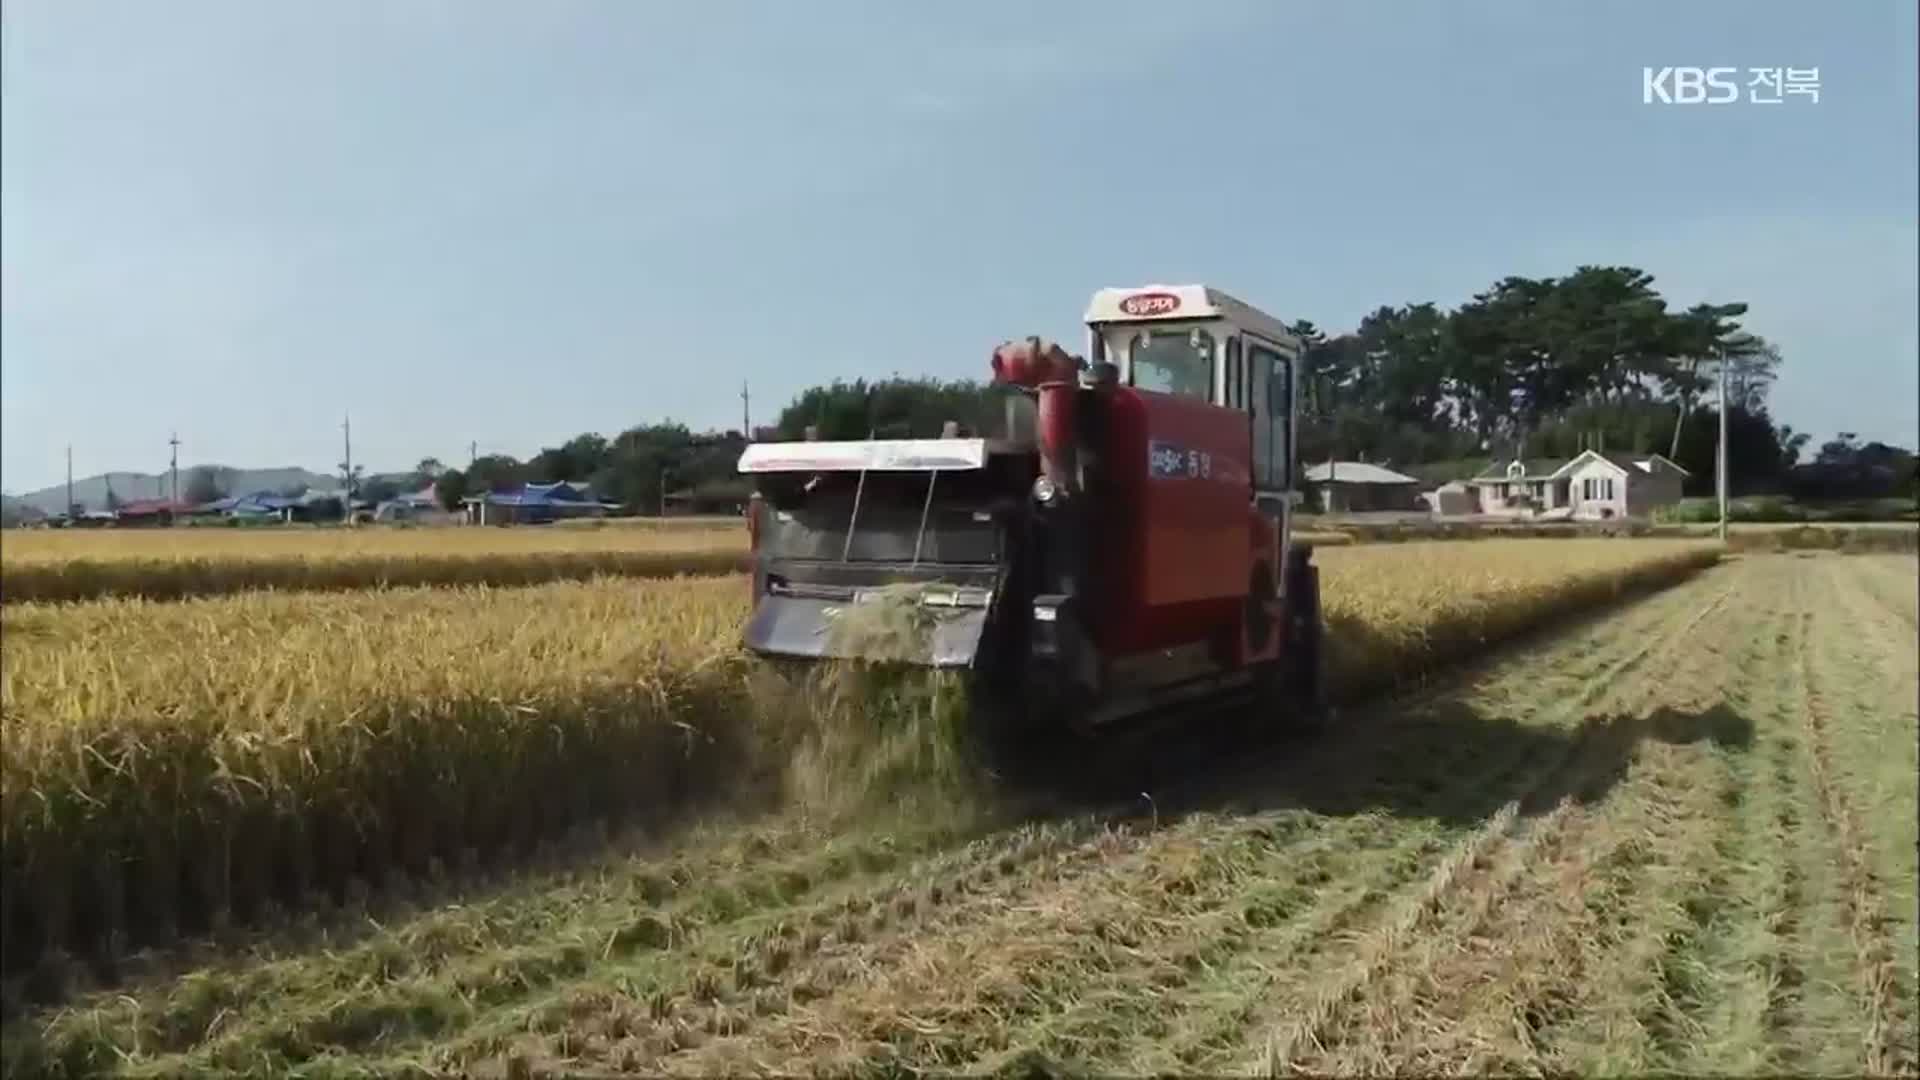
(534,503)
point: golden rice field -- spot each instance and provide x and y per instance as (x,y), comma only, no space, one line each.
(46,566)
(171,766)
(165,564)
(1673,838)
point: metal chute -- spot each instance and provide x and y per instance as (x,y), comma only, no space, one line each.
(885,550)
(945,631)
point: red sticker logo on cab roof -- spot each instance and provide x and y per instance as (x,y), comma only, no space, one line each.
(1150,303)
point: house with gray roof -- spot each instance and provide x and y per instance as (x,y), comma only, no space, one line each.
(1346,487)
(1591,486)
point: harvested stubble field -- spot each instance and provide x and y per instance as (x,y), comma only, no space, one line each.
(1886,536)
(1676,837)
(1860,537)
(38,566)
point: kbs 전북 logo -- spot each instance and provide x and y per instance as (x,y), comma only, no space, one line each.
(1723,85)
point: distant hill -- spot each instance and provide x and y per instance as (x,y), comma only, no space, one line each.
(14,512)
(92,491)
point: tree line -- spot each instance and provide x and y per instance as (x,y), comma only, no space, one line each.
(1541,367)
(640,468)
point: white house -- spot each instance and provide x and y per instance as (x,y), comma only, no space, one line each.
(1452,499)
(1592,485)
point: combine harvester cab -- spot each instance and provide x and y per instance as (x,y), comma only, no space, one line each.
(1122,546)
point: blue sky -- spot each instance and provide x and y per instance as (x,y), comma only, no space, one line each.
(508,223)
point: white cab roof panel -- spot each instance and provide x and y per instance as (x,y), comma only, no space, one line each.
(878,455)
(1152,303)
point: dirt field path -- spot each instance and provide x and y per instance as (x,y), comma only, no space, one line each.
(1680,838)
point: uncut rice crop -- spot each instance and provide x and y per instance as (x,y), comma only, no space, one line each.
(185,761)
(1393,610)
(168,564)
(166,765)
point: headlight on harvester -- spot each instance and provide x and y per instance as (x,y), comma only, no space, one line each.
(1045,491)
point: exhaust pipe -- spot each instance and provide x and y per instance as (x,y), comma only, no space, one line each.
(1049,370)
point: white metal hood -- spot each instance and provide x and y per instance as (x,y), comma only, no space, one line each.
(876,455)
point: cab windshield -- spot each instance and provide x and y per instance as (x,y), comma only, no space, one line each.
(1174,361)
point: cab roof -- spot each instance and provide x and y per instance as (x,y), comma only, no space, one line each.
(1154,303)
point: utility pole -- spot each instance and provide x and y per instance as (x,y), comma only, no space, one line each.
(173,466)
(473,454)
(69,514)
(746,412)
(663,491)
(1720,459)
(346,464)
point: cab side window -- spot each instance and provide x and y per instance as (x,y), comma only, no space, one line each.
(1272,435)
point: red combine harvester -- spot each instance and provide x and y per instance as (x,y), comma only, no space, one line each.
(1122,547)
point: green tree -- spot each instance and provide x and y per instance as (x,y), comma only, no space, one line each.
(575,461)
(428,471)
(1842,449)
(495,472)
(1703,333)
(637,462)
(449,488)
(1751,372)
(894,408)
(1493,357)
(1319,370)
(588,454)
(550,465)
(1754,451)
(1405,355)
(1792,444)
(379,489)
(1631,425)
(1606,333)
